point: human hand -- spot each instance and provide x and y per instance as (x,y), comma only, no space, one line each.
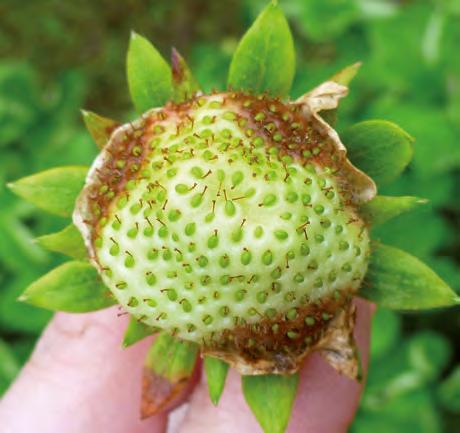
(79,380)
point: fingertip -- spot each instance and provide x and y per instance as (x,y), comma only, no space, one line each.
(230,415)
(327,401)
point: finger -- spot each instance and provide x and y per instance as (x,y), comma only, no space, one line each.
(80,380)
(326,402)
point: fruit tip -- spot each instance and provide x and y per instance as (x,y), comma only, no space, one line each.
(133,35)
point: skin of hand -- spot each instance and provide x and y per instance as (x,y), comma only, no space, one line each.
(80,380)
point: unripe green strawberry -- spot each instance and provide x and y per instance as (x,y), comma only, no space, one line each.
(229,220)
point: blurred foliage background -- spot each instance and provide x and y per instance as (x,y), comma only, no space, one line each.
(57,57)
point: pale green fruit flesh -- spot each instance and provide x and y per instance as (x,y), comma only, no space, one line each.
(220,226)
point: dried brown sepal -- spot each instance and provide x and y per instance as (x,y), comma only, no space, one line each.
(160,394)
(338,346)
(168,368)
(185,85)
(327,97)
(344,77)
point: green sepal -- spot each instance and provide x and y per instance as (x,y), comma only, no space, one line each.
(54,191)
(383,208)
(346,75)
(380,148)
(264,60)
(184,83)
(99,127)
(397,280)
(149,75)
(169,365)
(136,331)
(270,398)
(74,287)
(68,241)
(216,372)
(172,358)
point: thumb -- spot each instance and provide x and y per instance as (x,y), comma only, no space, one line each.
(80,380)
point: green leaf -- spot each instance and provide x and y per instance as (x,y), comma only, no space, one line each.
(149,76)
(436,147)
(264,60)
(324,20)
(184,83)
(169,365)
(17,316)
(449,391)
(412,412)
(9,366)
(409,74)
(216,373)
(419,233)
(16,247)
(409,183)
(270,398)
(136,331)
(211,62)
(99,127)
(383,208)
(74,287)
(429,353)
(54,191)
(386,331)
(68,241)
(380,148)
(397,280)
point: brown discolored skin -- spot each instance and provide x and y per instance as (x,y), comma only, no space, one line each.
(279,344)
(284,126)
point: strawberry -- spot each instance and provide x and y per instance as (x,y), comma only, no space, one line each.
(228,220)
